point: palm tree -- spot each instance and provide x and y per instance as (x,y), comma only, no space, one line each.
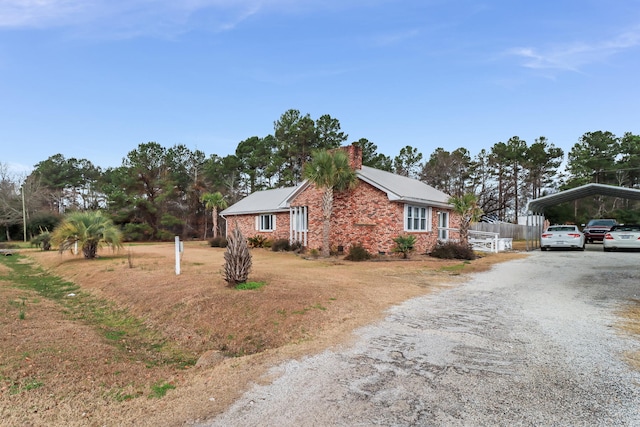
(330,172)
(213,201)
(467,207)
(90,230)
(237,259)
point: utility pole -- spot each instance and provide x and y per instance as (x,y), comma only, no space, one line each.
(24,215)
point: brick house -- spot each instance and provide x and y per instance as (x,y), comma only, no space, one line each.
(381,207)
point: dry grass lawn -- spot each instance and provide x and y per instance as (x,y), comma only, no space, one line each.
(631,325)
(57,368)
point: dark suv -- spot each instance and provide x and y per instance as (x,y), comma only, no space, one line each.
(595,229)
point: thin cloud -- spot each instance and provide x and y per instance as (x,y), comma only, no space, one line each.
(573,57)
(134,17)
(123,19)
(391,39)
(40,13)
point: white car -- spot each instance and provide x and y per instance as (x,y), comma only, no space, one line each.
(562,237)
(622,237)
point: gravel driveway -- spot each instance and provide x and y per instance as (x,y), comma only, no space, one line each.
(529,343)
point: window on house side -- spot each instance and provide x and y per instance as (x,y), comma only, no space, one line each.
(300,220)
(267,222)
(417,218)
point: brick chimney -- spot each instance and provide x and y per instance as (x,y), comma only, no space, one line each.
(354,153)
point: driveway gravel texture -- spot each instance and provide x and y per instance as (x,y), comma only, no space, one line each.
(529,343)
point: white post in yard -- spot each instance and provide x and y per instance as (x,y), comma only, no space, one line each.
(177,255)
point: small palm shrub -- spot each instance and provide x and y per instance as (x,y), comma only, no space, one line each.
(280,245)
(452,250)
(357,253)
(237,259)
(258,241)
(89,230)
(404,245)
(218,242)
(42,241)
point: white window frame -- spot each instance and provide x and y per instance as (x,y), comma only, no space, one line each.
(261,221)
(417,219)
(443,225)
(299,219)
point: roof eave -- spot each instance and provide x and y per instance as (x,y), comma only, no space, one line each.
(422,202)
(254,212)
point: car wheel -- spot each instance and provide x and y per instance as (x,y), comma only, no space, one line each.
(607,249)
(542,248)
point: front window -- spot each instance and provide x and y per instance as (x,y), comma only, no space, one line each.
(417,218)
(267,222)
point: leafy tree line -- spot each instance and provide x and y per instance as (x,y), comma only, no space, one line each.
(601,157)
(158,192)
(508,175)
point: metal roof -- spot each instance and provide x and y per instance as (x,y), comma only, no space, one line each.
(403,189)
(398,189)
(263,201)
(538,205)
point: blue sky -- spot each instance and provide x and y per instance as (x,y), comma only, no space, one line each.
(94,78)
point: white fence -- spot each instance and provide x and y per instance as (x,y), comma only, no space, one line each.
(484,241)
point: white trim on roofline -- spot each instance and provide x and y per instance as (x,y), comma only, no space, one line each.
(394,186)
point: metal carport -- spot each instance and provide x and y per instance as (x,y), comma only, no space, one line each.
(536,207)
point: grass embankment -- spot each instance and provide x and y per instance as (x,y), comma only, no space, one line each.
(117,326)
(70,358)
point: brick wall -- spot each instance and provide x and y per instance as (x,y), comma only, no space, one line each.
(366,216)
(247,225)
(354,153)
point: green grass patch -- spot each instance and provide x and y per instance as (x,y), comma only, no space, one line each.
(114,335)
(15,245)
(317,306)
(121,329)
(28,384)
(248,286)
(457,268)
(119,395)
(159,389)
